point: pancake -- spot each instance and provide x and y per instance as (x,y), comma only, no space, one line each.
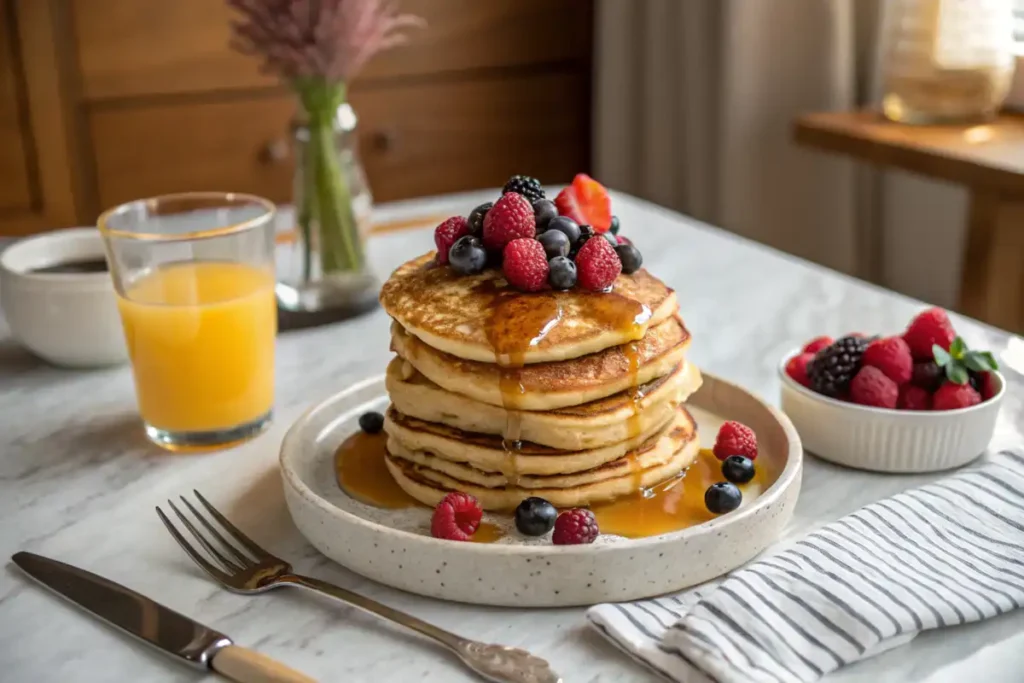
(430,486)
(487,453)
(547,386)
(480,318)
(598,423)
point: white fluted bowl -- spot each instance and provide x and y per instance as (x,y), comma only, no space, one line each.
(885,440)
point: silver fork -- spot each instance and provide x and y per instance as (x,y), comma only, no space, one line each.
(252,569)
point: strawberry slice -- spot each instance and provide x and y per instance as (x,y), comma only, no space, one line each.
(587,202)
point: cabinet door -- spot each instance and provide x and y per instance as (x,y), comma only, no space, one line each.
(130,48)
(15,188)
(40,182)
(415,140)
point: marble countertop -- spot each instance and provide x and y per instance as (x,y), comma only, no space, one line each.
(78,482)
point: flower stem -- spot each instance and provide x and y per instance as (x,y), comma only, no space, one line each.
(326,199)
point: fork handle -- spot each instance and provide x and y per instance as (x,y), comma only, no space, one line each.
(449,640)
(248,666)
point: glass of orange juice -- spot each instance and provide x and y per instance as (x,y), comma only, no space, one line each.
(194,275)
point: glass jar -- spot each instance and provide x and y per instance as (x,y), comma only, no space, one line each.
(326,276)
(946,61)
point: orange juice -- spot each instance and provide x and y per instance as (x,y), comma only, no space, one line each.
(201,340)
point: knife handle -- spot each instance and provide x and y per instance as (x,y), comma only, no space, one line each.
(247,666)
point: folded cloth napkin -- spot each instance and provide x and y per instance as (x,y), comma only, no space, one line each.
(948,553)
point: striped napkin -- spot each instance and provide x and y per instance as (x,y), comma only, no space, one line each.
(948,553)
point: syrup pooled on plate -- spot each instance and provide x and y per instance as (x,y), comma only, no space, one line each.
(672,505)
(362,473)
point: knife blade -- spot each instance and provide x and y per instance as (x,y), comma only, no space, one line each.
(147,620)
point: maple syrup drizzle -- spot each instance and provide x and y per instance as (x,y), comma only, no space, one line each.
(672,505)
(634,424)
(517,323)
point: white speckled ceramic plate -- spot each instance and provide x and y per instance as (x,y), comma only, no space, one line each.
(395,546)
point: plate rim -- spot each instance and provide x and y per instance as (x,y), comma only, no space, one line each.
(791,471)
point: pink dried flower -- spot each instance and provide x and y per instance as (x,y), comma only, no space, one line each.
(332,39)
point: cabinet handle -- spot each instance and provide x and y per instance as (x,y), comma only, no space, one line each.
(275,152)
(384,140)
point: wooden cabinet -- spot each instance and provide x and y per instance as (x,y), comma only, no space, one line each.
(145,97)
(40,187)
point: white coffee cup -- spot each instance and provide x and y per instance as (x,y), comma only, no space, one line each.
(68,319)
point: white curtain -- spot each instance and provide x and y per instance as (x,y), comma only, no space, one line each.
(694,106)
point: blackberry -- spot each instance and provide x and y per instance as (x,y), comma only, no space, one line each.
(927,375)
(975,380)
(832,368)
(524,185)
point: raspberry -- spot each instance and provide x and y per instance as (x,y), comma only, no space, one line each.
(952,396)
(891,355)
(797,368)
(871,387)
(587,202)
(913,398)
(525,265)
(446,234)
(597,265)
(456,517)
(929,327)
(817,344)
(574,527)
(735,438)
(510,218)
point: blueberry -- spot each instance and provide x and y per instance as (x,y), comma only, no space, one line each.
(611,239)
(586,232)
(555,243)
(467,256)
(614,229)
(722,497)
(738,469)
(566,225)
(630,257)
(371,422)
(535,517)
(562,273)
(543,211)
(476,218)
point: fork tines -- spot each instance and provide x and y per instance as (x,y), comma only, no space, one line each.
(219,547)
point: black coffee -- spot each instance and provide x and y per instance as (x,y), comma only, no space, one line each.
(92,265)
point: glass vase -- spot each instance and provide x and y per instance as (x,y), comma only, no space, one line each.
(947,61)
(327,276)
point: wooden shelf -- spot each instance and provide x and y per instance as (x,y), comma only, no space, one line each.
(987,155)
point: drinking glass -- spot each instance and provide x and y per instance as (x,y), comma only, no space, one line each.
(194,276)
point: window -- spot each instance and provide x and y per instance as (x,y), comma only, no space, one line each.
(1016,98)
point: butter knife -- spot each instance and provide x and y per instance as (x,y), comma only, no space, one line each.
(186,640)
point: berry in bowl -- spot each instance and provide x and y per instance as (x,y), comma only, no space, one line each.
(920,401)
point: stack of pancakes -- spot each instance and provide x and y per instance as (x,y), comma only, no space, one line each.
(575,396)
